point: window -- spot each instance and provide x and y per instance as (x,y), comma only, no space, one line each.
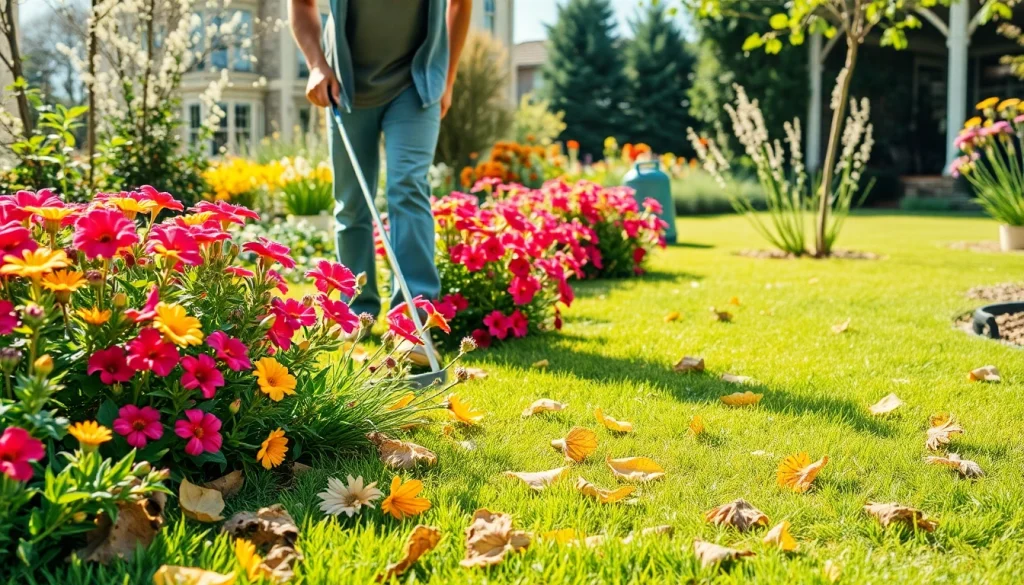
(220,135)
(233,134)
(236,45)
(243,128)
(303,69)
(195,123)
(490,11)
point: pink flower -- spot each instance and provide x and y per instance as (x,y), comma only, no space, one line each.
(402,325)
(201,372)
(239,272)
(175,244)
(149,310)
(225,212)
(497,324)
(270,250)
(339,312)
(289,315)
(638,258)
(434,317)
(138,425)
(565,292)
(160,200)
(231,350)
(41,198)
(330,276)
(201,430)
(518,323)
(100,233)
(274,277)
(523,289)
(17,452)
(14,240)
(492,249)
(112,365)
(149,351)
(652,205)
(8,317)
(482,337)
(519,266)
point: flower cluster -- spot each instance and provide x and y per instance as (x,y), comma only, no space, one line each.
(511,162)
(238,181)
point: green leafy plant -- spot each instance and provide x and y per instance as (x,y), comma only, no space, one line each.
(535,123)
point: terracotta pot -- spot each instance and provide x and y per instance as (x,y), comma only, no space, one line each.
(1011,237)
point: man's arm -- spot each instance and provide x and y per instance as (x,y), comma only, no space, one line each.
(305,18)
(459,13)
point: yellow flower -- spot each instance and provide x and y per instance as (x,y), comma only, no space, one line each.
(33,264)
(130,207)
(987,103)
(62,283)
(462,411)
(51,216)
(90,434)
(404,401)
(973,122)
(94,316)
(402,500)
(273,449)
(196,218)
(274,379)
(177,326)
(1007,103)
(797,472)
(245,552)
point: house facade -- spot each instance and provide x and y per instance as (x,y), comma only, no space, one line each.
(268,97)
(527,60)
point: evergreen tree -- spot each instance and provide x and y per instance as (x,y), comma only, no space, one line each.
(659,68)
(585,75)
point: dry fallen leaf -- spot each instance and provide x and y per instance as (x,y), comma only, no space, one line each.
(941,429)
(690,364)
(422,540)
(779,536)
(673,316)
(734,379)
(265,528)
(174,575)
(544,405)
(137,524)
(747,398)
(722,316)
(199,503)
(696,425)
(540,365)
(579,443)
(797,472)
(895,513)
(398,454)
(619,426)
(966,467)
(490,537)
(602,495)
(737,513)
(635,468)
(278,565)
(710,554)
(538,480)
(228,485)
(985,374)
(652,531)
(886,405)
(476,373)
(841,327)
(831,571)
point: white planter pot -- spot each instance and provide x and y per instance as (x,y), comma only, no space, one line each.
(1011,237)
(323,222)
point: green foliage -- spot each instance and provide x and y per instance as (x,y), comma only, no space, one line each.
(535,123)
(699,194)
(479,115)
(307,243)
(585,75)
(308,196)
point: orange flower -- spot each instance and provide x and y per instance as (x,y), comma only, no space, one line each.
(572,145)
(462,411)
(402,501)
(797,472)
(94,316)
(466,177)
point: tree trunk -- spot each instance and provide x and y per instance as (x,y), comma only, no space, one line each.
(834,138)
(17,72)
(90,139)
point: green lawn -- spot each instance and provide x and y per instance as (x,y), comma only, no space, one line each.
(616,351)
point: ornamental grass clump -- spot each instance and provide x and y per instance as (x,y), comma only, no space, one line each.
(305,189)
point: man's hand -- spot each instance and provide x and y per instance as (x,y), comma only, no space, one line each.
(322,83)
(446,99)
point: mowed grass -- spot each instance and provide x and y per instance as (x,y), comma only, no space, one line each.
(616,352)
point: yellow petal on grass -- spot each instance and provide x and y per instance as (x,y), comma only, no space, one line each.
(985,374)
(941,429)
(673,316)
(635,468)
(619,426)
(734,301)
(579,443)
(747,398)
(422,540)
(175,575)
(886,405)
(538,480)
(402,402)
(965,467)
(199,503)
(540,364)
(737,513)
(797,472)
(462,411)
(689,364)
(602,495)
(894,513)
(696,425)
(780,537)
(710,554)
(544,405)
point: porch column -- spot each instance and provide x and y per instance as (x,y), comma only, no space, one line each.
(813,130)
(956,86)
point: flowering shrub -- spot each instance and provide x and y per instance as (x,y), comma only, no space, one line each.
(308,244)
(510,162)
(238,181)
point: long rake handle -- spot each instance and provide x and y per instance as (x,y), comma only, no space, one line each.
(385,239)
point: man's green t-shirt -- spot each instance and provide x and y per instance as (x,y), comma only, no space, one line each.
(383,36)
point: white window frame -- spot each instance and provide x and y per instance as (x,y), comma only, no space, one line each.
(491,15)
(232,146)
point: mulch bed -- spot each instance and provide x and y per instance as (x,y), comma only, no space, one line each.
(1011,325)
(1006,292)
(836,255)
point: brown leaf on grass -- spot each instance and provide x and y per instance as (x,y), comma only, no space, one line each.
(199,503)
(841,327)
(544,405)
(651,531)
(721,316)
(540,364)
(738,514)
(941,429)
(710,554)
(298,469)
(886,405)
(490,537)
(265,528)
(602,495)
(538,480)
(780,537)
(985,374)
(966,467)
(747,398)
(734,379)
(895,513)
(398,454)
(579,443)
(797,472)
(422,540)
(673,316)
(174,575)
(619,426)
(635,468)
(228,485)
(137,524)
(476,373)
(689,364)
(696,425)
(279,564)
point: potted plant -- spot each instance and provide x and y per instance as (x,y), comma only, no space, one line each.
(991,162)
(307,192)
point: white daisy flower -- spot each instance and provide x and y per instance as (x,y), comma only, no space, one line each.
(349,498)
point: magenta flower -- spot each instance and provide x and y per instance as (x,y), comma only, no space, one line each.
(329,276)
(201,372)
(231,350)
(497,324)
(201,430)
(41,198)
(100,233)
(523,289)
(160,200)
(138,425)
(519,266)
(225,212)
(175,244)
(518,324)
(239,272)
(339,312)
(401,325)
(274,277)
(15,239)
(8,317)
(112,365)
(270,250)
(17,452)
(149,351)
(482,337)
(149,310)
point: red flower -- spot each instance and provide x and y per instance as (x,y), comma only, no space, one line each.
(149,351)
(225,212)
(518,324)
(138,425)
(339,312)
(175,244)
(160,200)
(239,272)
(458,301)
(497,324)
(492,249)
(330,276)
(15,239)
(149,310)
(270,250)
(100,233)
(482,337)
(519,266)
(8,317)
(289,315)
(402,325)
(201,372)
(112,365)
(17,452)
(231,350)
(638,257)
(434,317)
(523,289)
(201,430)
